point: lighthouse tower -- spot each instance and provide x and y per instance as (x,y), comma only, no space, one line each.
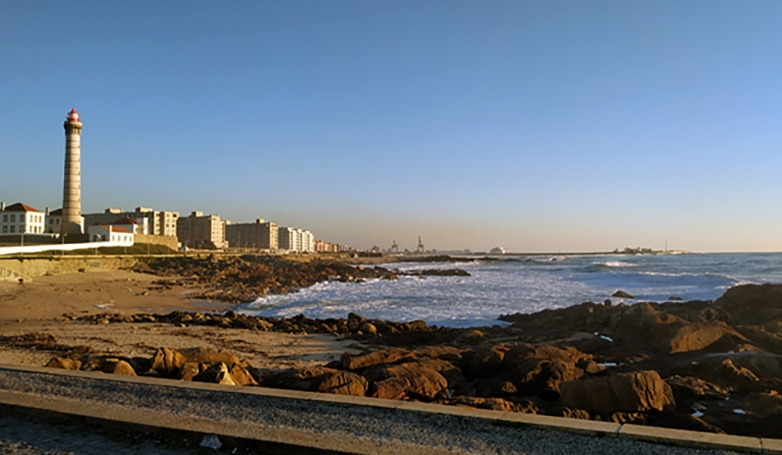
(71,197)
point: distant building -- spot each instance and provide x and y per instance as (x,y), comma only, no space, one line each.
(137,226)
(158,222)
(201,231)
(296,240)
(54,220)
(21,219)
(325,247)
(119,235)
(259,234)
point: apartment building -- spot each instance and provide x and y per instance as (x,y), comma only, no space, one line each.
(21,219)
(296,240)
(201,231)
(158,222)
(258,234)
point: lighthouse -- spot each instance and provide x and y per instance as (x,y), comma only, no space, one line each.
(71,197)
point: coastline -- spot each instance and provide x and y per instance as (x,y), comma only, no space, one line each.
(705,366)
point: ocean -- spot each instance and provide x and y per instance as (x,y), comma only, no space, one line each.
(524,284)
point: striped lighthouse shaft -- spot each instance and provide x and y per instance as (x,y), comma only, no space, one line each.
(71,198)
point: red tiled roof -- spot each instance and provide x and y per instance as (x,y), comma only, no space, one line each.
(113,228)
(125,220)
(19,207)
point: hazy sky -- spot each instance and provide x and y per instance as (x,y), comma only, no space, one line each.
(539,126)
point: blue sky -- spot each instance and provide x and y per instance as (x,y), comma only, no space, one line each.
(536,126)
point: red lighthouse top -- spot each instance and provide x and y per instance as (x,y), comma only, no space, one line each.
(73,116)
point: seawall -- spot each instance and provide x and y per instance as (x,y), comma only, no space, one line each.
(29,268)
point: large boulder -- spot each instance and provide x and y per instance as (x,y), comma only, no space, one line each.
(64,363)
(167,362)
(752,304)
(623,392)
(107,364)
(343,383)
(408,380)
(318,379)
(644,324)
(117,366)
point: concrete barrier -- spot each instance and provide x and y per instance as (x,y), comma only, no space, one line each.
(27,268)
(335,423)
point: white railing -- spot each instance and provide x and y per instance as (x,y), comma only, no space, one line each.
(5,250)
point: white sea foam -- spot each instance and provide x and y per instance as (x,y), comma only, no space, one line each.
(506,287)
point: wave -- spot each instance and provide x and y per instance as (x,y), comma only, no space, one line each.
(526,286)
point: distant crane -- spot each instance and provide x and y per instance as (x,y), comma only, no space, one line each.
(394,247)
(420,248)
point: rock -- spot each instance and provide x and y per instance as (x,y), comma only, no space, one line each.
(216,374)
(209,356)
(622,295)
(725,373)
(409,380)
(368,327)
(622,392)
(241,376)
(64,363)
(166,362)
(685,337)
(189,370)
(485,360)
(117,366)
(689,389)
(752,304)
(359,362)
(471,337)
(343,383)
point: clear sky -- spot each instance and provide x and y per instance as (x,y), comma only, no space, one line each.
(539,126)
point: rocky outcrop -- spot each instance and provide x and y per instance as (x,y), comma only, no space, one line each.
(244,279)
(624,392)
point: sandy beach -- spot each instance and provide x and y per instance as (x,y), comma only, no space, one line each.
(50,304)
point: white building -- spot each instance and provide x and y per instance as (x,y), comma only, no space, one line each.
(21,219)
(158,222)
(136,226)
(296,240)
(118,235)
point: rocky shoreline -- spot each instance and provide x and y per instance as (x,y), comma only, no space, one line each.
(701,365)
(244,279)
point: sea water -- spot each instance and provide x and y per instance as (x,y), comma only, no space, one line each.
(524,284)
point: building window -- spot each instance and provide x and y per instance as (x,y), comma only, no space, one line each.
(13,218)
(13,229)
(5,218)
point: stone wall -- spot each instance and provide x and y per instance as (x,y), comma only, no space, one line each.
(13,269)
(165,240)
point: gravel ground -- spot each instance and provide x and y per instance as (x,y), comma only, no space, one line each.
(417,432)
(24,436)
